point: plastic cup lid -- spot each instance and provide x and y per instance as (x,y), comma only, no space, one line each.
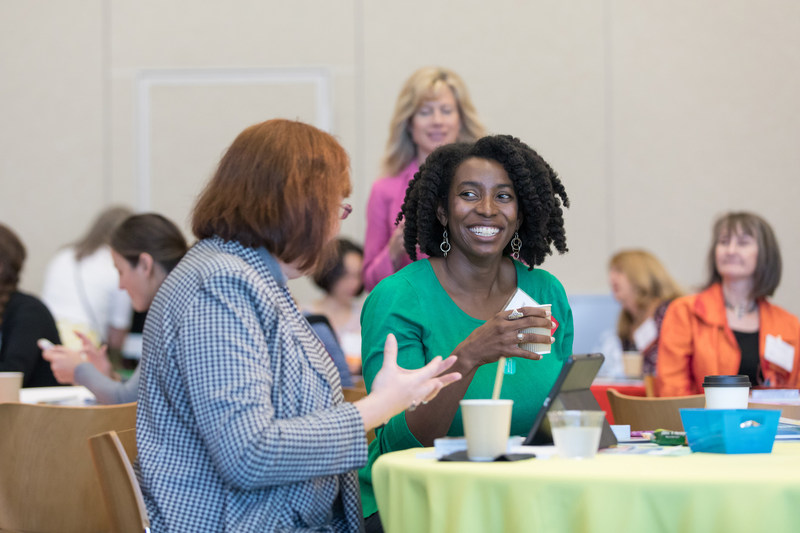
(726,381)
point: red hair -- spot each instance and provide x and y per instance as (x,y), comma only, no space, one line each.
(279,186)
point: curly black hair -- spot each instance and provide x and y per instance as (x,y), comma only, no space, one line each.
(540,195)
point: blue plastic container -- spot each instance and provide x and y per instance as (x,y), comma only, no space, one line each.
(730,430)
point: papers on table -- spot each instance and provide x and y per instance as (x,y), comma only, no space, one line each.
(774,395)
(76,396)
(788,429)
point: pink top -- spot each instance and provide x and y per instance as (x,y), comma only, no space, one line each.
(385,202)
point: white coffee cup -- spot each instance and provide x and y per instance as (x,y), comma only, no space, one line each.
(726,392)
(540,348)
(10,384)
(487,424)
(576,434)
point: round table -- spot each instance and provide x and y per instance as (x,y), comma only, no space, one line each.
(699,492)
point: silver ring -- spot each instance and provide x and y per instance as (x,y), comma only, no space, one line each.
(520,336)
(515,314)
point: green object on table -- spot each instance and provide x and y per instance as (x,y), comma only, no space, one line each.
(666,437)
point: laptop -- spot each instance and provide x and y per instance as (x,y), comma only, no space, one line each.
(571,391)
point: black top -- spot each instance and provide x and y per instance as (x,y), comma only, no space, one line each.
(25,320)
(748,345)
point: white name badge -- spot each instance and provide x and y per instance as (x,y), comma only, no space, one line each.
(779,352)
(645,335)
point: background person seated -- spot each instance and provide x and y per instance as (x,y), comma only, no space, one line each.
(81,287)
(731,327)
(144,248)
(23,319)
(644,289)
(342,283)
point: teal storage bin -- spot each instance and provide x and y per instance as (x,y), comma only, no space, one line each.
(730,430)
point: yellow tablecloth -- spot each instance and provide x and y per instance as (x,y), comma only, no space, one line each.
(700,492)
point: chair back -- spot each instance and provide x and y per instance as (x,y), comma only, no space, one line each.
(353,394)
(47,480)
(643,413)
(123,498)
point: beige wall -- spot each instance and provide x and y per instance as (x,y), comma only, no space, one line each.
(658,115)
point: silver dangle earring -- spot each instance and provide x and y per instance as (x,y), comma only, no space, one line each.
(516,246)
(445,246)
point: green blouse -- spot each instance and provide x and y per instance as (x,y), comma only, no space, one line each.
(414,306)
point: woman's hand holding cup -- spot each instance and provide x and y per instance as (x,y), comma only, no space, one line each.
(502,335)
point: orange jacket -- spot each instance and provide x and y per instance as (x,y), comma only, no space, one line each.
(696,342)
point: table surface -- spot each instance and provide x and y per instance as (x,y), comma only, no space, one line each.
(74,395)
(699,492)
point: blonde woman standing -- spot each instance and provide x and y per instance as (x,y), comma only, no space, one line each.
(433,109)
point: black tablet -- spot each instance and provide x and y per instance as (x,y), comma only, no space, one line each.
(571,391)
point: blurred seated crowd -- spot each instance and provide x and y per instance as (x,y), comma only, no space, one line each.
(239,385)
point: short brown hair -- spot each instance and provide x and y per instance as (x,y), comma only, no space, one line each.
(278,186)
(768,264)
(325,278)
(149,233)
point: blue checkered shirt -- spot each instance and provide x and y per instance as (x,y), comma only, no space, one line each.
(241,424)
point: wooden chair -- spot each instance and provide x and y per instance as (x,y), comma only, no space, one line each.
(47,481)
(113,454)
(643,413)
(353,394)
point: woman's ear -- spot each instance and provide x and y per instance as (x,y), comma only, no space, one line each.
(441,215)
(145,263)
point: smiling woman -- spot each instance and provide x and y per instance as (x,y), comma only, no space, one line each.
(486,213)
(730,327)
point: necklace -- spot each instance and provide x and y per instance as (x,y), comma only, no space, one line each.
(741,310)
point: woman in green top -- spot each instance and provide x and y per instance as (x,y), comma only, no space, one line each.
(481,212)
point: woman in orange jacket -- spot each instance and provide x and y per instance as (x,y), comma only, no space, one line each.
(730,327)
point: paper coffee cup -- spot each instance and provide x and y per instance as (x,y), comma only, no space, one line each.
(487,424)
(632,364)
(726,392)
(10,384)
(540,348)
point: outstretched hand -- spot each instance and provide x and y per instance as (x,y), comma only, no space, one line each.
(396,389)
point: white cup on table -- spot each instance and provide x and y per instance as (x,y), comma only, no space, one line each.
(726,392)
(487,424)
(576,434)
(10,385)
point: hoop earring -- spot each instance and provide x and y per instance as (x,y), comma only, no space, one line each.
(516,246)
(445,246)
